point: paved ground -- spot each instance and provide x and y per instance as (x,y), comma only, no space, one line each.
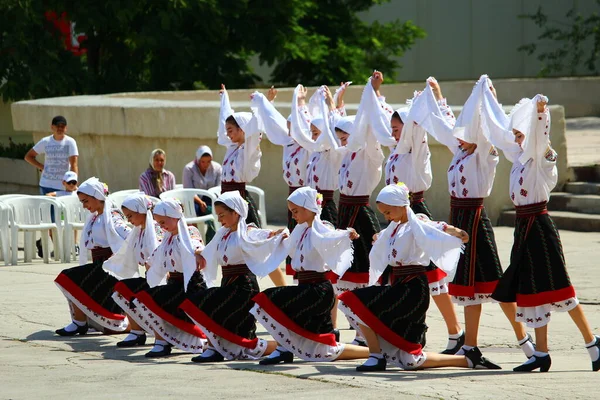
(583,141)
(34,363)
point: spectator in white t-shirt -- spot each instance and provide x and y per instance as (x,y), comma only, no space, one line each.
(61,156)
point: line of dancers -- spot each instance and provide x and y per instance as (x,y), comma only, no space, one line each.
(341,259)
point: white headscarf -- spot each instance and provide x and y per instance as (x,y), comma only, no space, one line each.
(468,124)
(245,121)
(441,248)
(523,117)
(334,246)
(98,190)
(261,254)
(345,124)
(157,274)
(154,153)
(202,150)
(123,264)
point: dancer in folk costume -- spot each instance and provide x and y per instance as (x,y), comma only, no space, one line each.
(537,278)
(409,162)
(392,317)
(470,180)
(171,263)
(240,133)
(299,317)
(87,287)
(125,263)
(295,157)
(311,128)
(223,313)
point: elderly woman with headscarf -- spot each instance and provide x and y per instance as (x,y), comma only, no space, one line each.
(409,162)
(299,317)
(470,180)
(88,288)
(244,253)
(537,278)
(125,263)
(169,271)
(392,317)
(156,179)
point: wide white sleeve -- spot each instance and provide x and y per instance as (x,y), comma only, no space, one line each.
(300,126)
(225,112)
(434,121)
(271,120)
(251,149)
(495,127)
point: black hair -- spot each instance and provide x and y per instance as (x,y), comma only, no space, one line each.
(232,121)
(338,130)
(225,206)
(397,116)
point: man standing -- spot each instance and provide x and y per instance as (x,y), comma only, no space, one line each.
(61,156)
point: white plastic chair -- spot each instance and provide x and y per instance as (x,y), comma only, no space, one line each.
(31,214)
(262,207)
(74,220)
(118,197)
(186,197)
(5,215)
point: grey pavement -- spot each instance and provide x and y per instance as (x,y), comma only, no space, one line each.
(583,141)
(36,364)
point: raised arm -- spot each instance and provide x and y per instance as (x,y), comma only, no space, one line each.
(224,113)
(271,121)
(495,125)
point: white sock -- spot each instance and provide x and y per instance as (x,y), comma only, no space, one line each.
(592,349)
(527,346)
(133,335)
(463,350)
(277,352)
(373,359)
(453,339)
(159,345)
(72,327)
(209,352)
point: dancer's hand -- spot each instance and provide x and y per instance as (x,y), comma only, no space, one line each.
(278,232)
(328,97)
(375,237)
(222,89)
(353,234)
(200,262)
(272,93)
(541,105)
(377,80)
(437,90)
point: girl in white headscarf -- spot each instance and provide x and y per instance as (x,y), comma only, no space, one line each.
(409,162)
(537,278)
(88,288)
(392,317)
(299,317)
(125,263)
(244,253)
(169,270)
(470,180)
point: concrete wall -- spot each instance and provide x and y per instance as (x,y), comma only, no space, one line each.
(6,127)
(115,136)
(17,176)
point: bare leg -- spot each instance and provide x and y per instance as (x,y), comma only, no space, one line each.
(472,316)
(77,314)
(444,304)
(271,346)
(371,338)
(277,277)
(133,326)
(581,321)
(352,352)
(435,360)
(541,339)
(510,310)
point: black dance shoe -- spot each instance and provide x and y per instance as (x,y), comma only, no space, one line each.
(543,363)
(214,357)
(139,340)
(459,343)
(283,357)
(336,333)
(166,350)
(359,342)
(380,366)
(596,364)
(81,330)
(479,361)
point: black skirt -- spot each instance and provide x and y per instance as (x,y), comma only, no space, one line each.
(478,269)
(537,274)
(395,312)
(362,218)
(225,310)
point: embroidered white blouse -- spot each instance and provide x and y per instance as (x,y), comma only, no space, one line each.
(142,254)
(96,237)
(169,251)
(403,249)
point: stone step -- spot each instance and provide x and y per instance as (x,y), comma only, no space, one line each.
(566,220)
(582,187)
(589,173)
(581,203)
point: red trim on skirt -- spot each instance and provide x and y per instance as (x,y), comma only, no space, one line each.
(147,300)
(469,291)
(435,275)
(263,301)
(354,277)
(124,291)
(200,316)
(377,326)
(66,283)
(538,299)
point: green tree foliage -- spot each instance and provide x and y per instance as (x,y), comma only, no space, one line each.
(575,44)
(140,45)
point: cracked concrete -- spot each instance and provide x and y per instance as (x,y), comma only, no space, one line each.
(34,363)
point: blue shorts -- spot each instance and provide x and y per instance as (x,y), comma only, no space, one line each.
(44,191)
